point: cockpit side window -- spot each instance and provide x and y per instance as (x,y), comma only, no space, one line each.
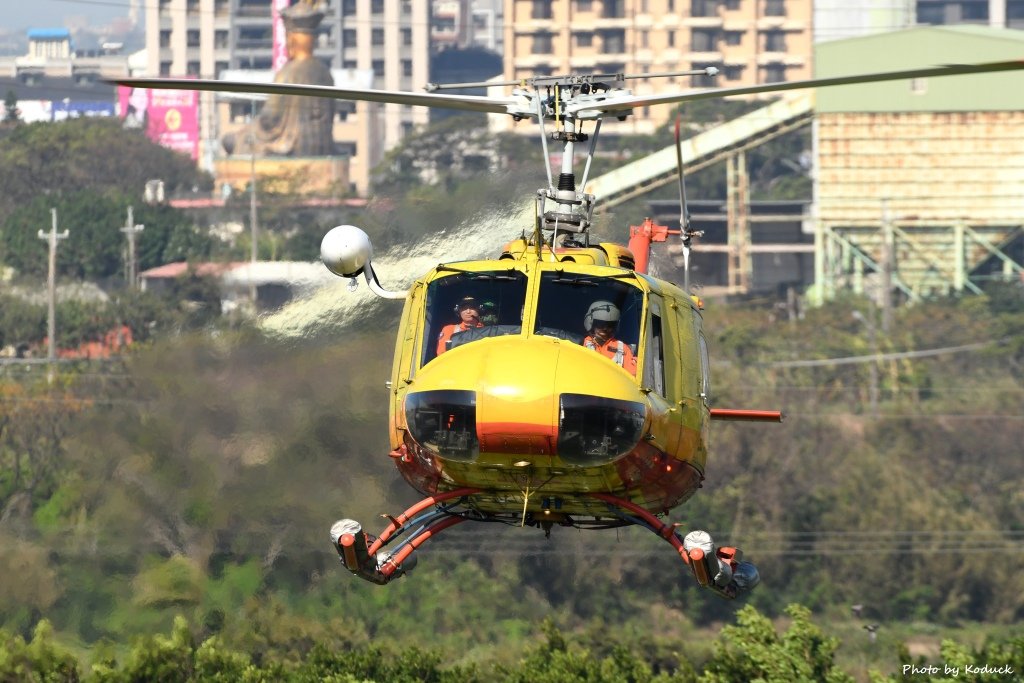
(469,306)
(566,299)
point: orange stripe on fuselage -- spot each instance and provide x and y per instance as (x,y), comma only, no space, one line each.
(517,437)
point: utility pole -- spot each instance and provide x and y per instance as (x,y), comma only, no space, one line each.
(130,229)
(51,283)
(252,208)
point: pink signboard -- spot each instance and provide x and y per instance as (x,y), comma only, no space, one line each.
(169,117)
(280,40)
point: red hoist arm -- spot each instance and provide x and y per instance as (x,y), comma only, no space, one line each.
(640,238)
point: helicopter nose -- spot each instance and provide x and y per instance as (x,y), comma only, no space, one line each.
(556,399)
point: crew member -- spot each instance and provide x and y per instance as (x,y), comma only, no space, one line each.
(601,323)
(468,311)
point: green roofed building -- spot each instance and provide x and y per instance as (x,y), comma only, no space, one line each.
(925,174)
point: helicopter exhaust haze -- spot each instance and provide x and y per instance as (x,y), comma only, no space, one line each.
(334,306)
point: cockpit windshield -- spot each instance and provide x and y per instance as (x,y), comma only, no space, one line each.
(468,306)
(571,306)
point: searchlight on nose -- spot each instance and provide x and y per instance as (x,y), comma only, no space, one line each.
(346,251)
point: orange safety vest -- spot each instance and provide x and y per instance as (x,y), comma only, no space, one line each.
(619,353)
(446,334)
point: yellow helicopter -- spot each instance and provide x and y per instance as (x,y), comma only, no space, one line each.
(559,383)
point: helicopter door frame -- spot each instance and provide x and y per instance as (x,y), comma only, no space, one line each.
(654,346)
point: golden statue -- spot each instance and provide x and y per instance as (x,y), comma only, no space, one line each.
(292,125)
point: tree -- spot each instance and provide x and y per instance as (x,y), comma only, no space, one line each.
(83,154)
(751,650)
(12,116)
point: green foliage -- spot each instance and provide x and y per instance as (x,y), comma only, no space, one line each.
(40,659)
(11,114)
(752,651)
(93,249)
(20,321)
(86,155)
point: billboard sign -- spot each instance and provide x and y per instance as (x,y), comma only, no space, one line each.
(280,57)
(169,117)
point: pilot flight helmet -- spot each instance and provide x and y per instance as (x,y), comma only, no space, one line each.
(604,311)
(466,302)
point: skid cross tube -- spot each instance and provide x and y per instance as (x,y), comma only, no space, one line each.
(399,523)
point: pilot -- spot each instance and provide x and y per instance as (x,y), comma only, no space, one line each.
(601,322)
(468,310)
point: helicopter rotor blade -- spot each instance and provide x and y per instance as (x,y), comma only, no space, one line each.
(477,103)
(617,105)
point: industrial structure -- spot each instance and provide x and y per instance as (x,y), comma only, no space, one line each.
(919,185)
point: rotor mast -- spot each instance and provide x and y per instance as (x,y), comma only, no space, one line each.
(567,101)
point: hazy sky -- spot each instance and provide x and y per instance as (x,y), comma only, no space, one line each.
(24,14)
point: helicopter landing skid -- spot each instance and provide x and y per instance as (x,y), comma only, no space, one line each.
(364,555)
(721,570)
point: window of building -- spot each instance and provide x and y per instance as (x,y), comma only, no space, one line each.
(775,8)
(378,67)
(671,36)
(220,39)
(348,7)
(406,7)
(584,6)
(584,39)
(377,36)
(733,37)
(348,37)
(733,72)
(613,9)
(192,38)
(219,67)
(1015,14)
(165,68)
(644,40)
(613,41)
(774,73)
(254,37)
(377,7)
(541,44)
(406,36)
(348,64)
(192,68)
(671,6)
(775,41)
(165,38)
(541,9)
(704,40)
(704,80)
(704,8)
(407,67)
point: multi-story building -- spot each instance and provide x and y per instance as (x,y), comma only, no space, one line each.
(389,40)
(837,19)
(465,23)
(750,42)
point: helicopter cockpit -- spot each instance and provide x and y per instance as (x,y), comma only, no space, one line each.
(500,297)
(566,298)
(467,306)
